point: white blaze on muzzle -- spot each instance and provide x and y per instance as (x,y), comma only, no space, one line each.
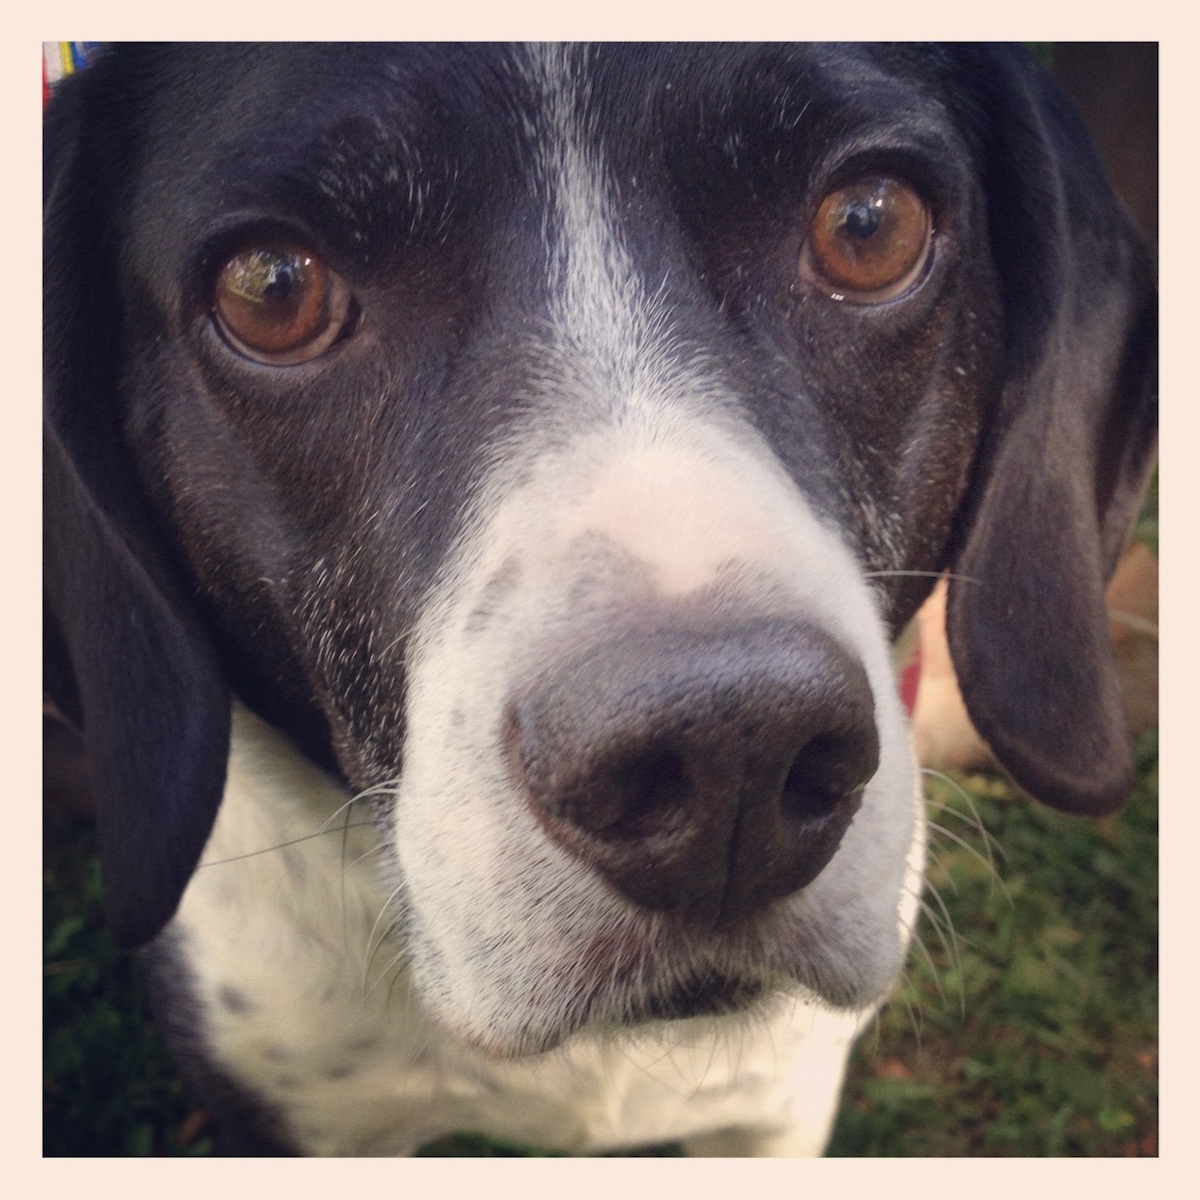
(568,548)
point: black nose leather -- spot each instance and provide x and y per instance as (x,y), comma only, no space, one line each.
(702,772)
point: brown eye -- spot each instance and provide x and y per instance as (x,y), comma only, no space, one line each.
(869,241)
(278,304)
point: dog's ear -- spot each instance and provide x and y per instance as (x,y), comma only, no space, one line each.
(1064,456)
(127,658)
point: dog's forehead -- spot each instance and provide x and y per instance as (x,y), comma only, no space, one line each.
(361,118)
(413,84)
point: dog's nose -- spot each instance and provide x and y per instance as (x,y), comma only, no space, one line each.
(702,772)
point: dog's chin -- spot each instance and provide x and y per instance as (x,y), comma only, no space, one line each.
(636,986)
(624,1015)
(712,996)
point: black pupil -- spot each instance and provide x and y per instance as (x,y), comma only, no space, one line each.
(280,278)
(267,276)
(861,220)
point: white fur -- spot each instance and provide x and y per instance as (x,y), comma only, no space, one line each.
(341,1046)
(625,517)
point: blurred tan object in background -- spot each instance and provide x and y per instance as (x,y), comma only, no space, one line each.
(945,737)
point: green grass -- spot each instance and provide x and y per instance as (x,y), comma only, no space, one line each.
(1029,1030)
(109,1085)
(1032,1028)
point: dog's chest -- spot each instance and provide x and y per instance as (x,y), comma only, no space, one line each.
(306,1006)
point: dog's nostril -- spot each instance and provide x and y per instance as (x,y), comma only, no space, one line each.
(631,797)
(644,788)
(827,769)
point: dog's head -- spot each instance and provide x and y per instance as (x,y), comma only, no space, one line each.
(559,436)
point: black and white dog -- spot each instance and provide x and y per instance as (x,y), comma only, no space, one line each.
(484,486)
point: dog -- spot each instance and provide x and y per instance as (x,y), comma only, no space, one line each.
(485,491)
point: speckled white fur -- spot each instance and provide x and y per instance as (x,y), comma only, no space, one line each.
(624,518)
(301,1004)
(367,1046)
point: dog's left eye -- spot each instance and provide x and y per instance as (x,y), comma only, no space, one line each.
(869,241)
(279,304)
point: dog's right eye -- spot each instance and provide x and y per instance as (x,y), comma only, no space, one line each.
(279,304)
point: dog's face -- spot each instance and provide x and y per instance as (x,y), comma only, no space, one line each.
(554,439)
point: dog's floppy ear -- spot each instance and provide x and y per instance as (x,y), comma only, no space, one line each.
(126,656)
(1065,455)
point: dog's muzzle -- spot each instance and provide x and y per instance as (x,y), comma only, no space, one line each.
(704,772)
